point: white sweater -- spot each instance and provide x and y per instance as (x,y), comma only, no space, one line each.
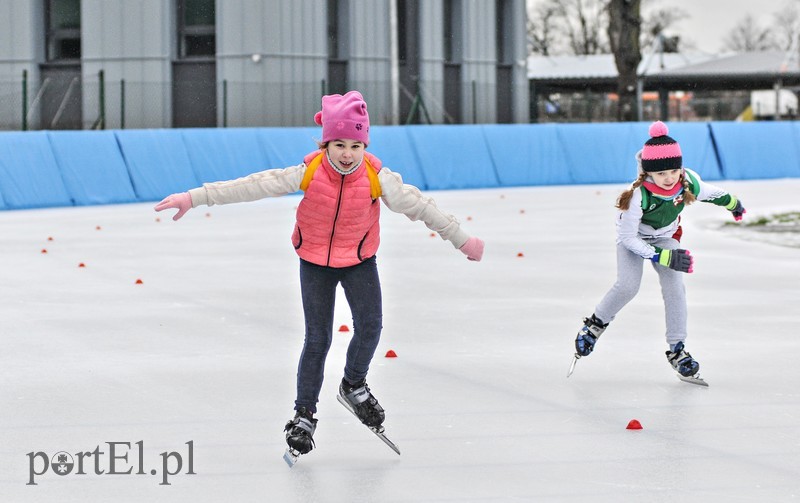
(397,196)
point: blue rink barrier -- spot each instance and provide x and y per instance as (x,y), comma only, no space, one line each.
(45,169)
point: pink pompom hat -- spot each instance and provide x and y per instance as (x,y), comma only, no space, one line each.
(661,152)
(344,117)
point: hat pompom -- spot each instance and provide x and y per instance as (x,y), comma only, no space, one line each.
(318,118)
(657,129)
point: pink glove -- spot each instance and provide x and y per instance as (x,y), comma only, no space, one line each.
(181,201)
(473,249)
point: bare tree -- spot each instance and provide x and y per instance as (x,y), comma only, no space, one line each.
(656,21)
(786,25)
(583,23)
(623,33)
(748,36)
(542,29)
(567,27)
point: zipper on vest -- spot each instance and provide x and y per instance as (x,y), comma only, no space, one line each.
(335,219)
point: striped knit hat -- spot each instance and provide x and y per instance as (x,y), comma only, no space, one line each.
(661,152)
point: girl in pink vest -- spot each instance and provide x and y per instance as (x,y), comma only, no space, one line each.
(336,236)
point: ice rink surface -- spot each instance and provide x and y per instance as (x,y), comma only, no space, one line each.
(197,362)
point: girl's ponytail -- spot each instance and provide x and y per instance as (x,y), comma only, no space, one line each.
(624,199)
(688,195)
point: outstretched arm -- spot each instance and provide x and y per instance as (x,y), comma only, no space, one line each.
(270,183)
(715,195)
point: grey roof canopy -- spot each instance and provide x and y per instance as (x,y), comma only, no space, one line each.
(671,71)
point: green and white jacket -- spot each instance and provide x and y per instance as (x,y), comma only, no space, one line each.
(650,216)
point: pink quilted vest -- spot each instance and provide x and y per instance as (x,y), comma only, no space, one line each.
(337,219)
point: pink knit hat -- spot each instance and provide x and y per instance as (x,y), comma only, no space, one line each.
(661,152)
(344,117)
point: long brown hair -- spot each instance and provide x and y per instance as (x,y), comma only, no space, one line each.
(624,199)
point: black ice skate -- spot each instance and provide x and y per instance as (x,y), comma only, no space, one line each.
(592,329)
(358,399)
(362,403)
(686,366)
(299,435)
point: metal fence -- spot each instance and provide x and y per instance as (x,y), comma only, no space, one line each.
(96,102)
(602,107)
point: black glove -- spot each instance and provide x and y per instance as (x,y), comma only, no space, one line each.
(737,209)
(680,260)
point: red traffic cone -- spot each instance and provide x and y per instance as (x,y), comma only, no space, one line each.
(139,282)
(634,424)
(344,328)
(391,354)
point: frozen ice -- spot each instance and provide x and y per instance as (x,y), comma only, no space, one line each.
(205,351)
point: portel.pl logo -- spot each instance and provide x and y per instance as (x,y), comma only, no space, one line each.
(118,459)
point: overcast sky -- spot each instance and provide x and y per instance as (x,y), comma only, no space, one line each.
(710,21)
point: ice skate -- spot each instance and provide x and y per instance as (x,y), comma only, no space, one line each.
(592,329)
(299,435)
(682,361)
(686,366)
(362,403)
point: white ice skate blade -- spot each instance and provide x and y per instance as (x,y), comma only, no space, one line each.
(572,365)
(290,456)
(693,380)
(378,433)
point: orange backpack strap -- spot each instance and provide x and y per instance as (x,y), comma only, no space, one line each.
(310,170)
(374,183)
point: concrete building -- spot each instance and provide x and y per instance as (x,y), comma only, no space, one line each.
(81,64)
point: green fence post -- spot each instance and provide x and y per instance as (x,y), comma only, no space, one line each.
(102,77)
(24,100)
(225,103)
(474,103)
(122,104)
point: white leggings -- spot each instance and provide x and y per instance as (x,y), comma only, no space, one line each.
(629,277)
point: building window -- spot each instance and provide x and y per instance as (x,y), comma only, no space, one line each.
(338,50)
(333,29)
(448,31)
(503,30)
(402,28)
(63,18)
(197,36)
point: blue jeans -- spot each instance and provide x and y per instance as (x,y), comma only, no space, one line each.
(362,289)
